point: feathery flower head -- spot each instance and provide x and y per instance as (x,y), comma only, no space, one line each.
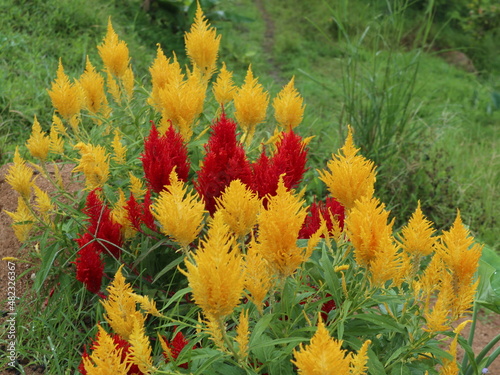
(288,107)
(163,73)
(324,355)
(258,277)
(92,85)
(66,97)
(172,349)
(140,348)
(114,53)
(141,213)
(43,204)
(329,210)
(279,226)
(225,161)
(89,263)
(94,164)
(179,212)
(250,103)
(121,312)
(136,187)
(56,144)
(417,234)
(119,215)
(242,335)
(350,176)
(202,44)
(224,88)
(359,361)
(182,104)
(22,220)
(19,176)
(120,151)
(216,273)
(239,207)
(161,155)
(38,143)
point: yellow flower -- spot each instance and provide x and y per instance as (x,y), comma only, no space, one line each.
(216,273)
(114,53)
(140,348)
(119,149)
(163,73)
(56,144)
(119,215)
(242,335)
(279,227)
(417,235)
(450,366)
(239,207)
(258,278)
(43,203)
(250,103)
(94,164)
(120,306)
(183,104)
(180,213)
(147,304)
(113,87)
(350,176)
(128,82)
(58,125)
(359,361)
(106,358)
(324,355)
(288,107)
(39,143)
(92,85)
(66,97)
(202,44)
(136,186)
(23,220)
(19,176)
(224,88)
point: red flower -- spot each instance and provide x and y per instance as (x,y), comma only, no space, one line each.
(225,161)
(140,213)
(331,207)
(290,159)
(89,265)
(161,155)
(176,346)
(102,227)
(327,307)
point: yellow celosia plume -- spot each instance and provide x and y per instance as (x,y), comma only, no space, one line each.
(38,143)
(23,220)
(239,207)
(417,235)
(180,213)
(92,86)
(114,53)
(224,88)
(19,176)
(279,226)
(120,151)
(258,276)
(250,103)
(202,44)
(140,348)
(288,107)
(350,176)
(94,164)
(66,97)
(242,336)
(119,215)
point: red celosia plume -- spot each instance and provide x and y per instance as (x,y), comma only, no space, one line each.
(161,155)
(176,346)
(140,213)
(327,209)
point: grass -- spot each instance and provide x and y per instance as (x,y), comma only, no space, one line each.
(453,163)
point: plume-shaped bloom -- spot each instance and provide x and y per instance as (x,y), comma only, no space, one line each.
(89,263)
(359,361)
(324,355)
(202,44)
(136,186)
(288,160)
(120,151)
(43,203)
(114,53)
(225,161)
(417,235)
(56,144)
(19,176)
(329,210)
(250,103)
(92,86)
(121,312)
(66,96)
(239,207)
(450,366)
(140,348)
(279,226)
(216,273)
(161,155)
(38,143)
(179,212)
(102,227)
(258,276)
(350,176)
(242,336)
(94,164)
(182,104)
(288,107)
(224,88)
(371,236)
(163,73)
(23,220)
(107,356)
(139,213)
(119,215)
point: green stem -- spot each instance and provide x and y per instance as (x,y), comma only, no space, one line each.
(470,340)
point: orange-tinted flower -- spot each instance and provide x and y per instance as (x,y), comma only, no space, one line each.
(224,88)
(288,107)
(92,85)
(20,176)
(39,143)
(66,97)
(114,53)
(94,163)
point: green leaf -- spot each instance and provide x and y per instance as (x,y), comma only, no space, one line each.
(488,294)
(168,267)
(260,327)
(383,321)
(49,255)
